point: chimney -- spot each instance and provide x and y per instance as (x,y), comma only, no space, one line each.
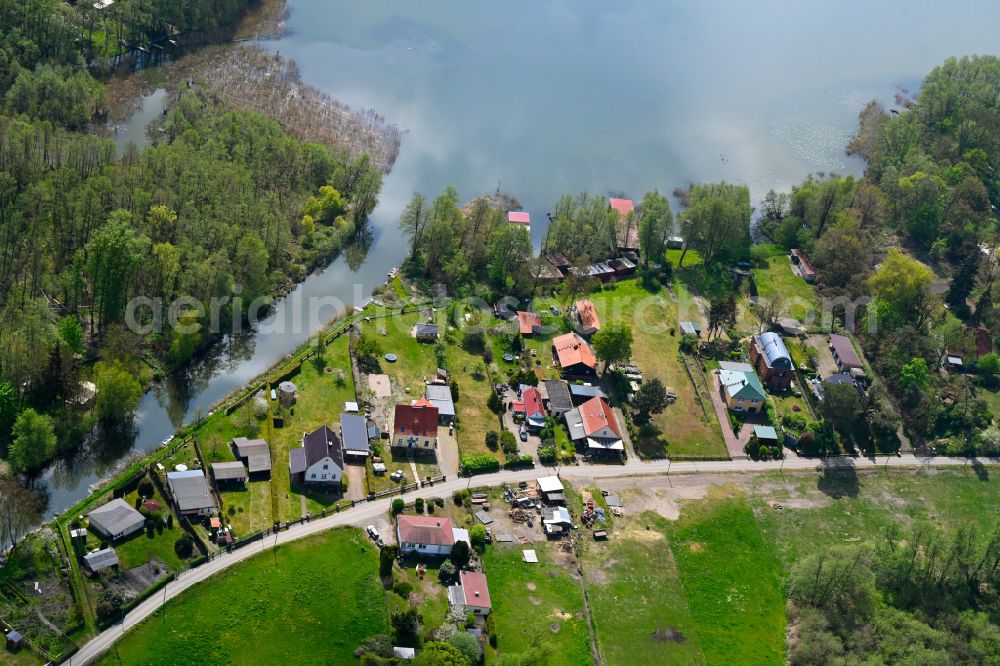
(477,593)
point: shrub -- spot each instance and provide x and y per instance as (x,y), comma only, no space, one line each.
(447,572)
(547,455)
(477,535)
(418,505)
(492,440)
(508,443)
(184,547)
(519,461)
(397,506)
(494,403)
(460,553)
(458,496)
(481,464)
(145,488)
(439,501)
(403,589)
(386,558)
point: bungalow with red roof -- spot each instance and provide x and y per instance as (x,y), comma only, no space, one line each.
(414,427)
(424,535)
(520,217)
(627,230)
(530,408)
(586,315)
(528,323)
(574,355)
(594,428)
(471,593)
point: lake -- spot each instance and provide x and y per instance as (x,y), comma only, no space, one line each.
(545,97)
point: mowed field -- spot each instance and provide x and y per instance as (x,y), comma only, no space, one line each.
(638,606)
(538,604)
(683,428)
(313,602)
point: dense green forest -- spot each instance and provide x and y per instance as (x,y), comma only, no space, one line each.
(930,190)
(920,597)
(224,204)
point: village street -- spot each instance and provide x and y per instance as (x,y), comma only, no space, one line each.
(367,512)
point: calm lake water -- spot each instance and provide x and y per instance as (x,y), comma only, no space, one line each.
(544,97)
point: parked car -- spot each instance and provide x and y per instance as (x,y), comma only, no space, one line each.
(398,475)
(524,434)
(372,533)
(554,310)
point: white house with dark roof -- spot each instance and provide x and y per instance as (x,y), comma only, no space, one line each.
(319,460)
(116,520)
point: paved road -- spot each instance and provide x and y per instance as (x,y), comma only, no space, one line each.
(364,513)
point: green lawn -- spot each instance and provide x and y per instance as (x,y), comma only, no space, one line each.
(141,547)
(415,360)
(732,581)
(683,428)
(778,280)
(636,598)
(314,602)
(537,604)
(475,418)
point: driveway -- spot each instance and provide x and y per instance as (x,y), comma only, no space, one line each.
(529,448)
(825,364)
(355,474)
(447,453)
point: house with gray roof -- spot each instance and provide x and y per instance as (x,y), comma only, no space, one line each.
(354,433)
(440,397)
(255,454)
(560,400)
(581,393)
(116,520)
(229,473)
(191,492)
(772,361)
(320,459)
(100,560)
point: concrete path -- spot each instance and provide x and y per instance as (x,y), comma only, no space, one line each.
(365,513)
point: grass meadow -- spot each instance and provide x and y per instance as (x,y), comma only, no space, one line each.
(312,602)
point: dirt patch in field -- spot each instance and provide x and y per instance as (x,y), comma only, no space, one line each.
(697,547)
(597,576)
(563,616)
(535,601)
(668,635)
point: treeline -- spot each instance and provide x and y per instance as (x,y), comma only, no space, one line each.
(474,250)
(922,597)
(930,189)
(48,48)
(223,204)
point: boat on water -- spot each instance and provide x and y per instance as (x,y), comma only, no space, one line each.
(392,272)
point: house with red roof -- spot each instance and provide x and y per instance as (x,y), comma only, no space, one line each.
(414,427)
(594,428)
(627,231)
(586,315)
(424,535)
(530,408)
(471,593)
(528,323)
(574,354)
(520,217)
